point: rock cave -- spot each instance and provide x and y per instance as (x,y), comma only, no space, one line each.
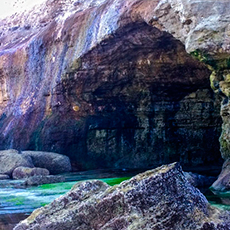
(136,99)
(119,85)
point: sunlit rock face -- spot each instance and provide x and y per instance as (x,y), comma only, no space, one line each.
(203,26)
(100,82)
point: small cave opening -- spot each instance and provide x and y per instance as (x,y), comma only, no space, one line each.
(144,102)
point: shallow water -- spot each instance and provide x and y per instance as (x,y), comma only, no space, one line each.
(17,203)
(219,199)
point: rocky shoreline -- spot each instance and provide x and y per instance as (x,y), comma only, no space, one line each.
(118,84)
(33,167)
(161,199)
(109,83)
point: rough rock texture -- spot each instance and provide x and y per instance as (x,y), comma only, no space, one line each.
(55,163)
(203,26)
(160,199)
(223,181)
(105,83)
(10,160)
(39,179)
(24,172)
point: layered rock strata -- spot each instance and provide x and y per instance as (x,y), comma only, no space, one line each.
(108,84)
(158,199)
(206,35)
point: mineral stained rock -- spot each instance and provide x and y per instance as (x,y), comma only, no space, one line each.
(109,83)
(203,26)
(159,199)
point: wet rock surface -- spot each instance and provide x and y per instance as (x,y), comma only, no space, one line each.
(205,33)
(101,83)
(43,179)
(223,181)
(199,181)
(157,199)
(33,164)
(4,177)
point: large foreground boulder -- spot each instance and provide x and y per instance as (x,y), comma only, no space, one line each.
(54,162)
(160,199)
(11,159)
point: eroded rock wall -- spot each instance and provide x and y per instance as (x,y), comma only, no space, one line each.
(203,26)
(100,82)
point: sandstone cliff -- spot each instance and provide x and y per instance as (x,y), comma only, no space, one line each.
(109,83)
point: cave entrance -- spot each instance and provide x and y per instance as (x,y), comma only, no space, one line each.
(146,103)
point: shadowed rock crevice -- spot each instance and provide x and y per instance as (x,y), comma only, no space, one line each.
(137,99)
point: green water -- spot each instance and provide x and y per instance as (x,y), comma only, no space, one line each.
(26,200)
(17,203)
(219,199)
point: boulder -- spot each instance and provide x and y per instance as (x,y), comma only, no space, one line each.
(159,199)
(54,162)
(38,180)
(24,172)
(4,177)
(11,159)
(223,181)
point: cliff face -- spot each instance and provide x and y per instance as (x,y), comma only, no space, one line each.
(107,83)
(203,26)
